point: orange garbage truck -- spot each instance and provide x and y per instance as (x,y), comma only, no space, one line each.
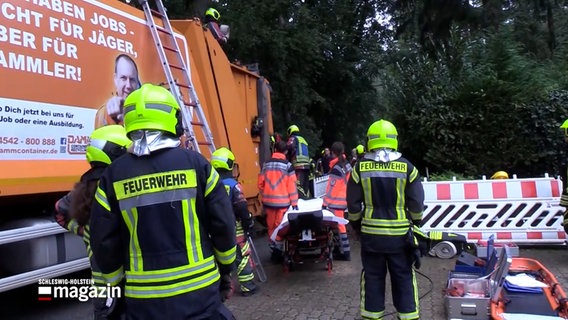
(65,69)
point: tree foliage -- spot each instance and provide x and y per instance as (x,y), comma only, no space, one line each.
(484,94)
(473,86)
(319,56)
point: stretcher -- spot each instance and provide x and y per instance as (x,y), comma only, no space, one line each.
(542,297)
(308,231)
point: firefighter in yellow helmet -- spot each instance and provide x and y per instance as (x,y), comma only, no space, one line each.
(357,154)
(299,156)
(223,161)
(564,196)
(389,187)
(73,210)
(211,14)
(221,32)
(162,218)
(500,175)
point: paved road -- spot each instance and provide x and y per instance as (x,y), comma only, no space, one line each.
(308,293)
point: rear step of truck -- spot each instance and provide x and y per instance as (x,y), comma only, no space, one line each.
(35,232)
(192,112)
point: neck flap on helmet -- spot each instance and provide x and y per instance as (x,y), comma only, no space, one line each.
(383,155)
(145,142)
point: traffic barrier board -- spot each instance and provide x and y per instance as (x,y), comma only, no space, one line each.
(522,211)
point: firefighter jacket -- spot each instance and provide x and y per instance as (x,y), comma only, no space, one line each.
(239,202)
(298,152)
(336,189)
(63,217)
(564,178)
(392,195)
(164,220)
(277,183)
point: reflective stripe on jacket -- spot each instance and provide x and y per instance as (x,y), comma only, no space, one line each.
(299,156)
(277,183)
(165,221)
(336,190)
(240,207)
(392,195)
(96,274)
(63,206)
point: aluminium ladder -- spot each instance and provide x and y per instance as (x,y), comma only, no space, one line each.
(192,112)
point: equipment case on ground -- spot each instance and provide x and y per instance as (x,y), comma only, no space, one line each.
(481,248)
(469,298)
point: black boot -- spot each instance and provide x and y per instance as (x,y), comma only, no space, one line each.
(277,256)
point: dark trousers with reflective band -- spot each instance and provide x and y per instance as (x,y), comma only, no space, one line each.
(244,266)
(303,176)
(373,286)
(103,312)
(200,304)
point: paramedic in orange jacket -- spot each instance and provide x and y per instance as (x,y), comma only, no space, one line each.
(277,186)
(336,192)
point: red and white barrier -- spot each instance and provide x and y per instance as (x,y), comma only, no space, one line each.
(504,236)
(492,189)
(523,211)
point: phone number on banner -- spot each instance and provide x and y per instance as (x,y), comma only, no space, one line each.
(28,141)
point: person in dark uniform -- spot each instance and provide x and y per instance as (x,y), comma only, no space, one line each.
(162,219)
(389,188)
(564,176)
(299,156)
(73,211)
(223,161)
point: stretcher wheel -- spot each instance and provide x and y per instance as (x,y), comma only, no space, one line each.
(445,250)
(336,243)
(288,264)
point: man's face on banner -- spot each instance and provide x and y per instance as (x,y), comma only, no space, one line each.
(125,77)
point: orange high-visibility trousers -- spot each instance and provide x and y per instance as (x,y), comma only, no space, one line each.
(340,214)
(273,218)
(344,248)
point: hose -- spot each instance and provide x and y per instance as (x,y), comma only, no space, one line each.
(423,295)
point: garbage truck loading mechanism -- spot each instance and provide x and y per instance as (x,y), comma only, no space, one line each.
(62,63)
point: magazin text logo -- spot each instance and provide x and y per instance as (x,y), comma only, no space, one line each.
(80,289)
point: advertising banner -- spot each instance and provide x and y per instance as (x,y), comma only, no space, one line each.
(65,68)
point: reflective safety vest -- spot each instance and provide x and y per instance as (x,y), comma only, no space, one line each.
(392,195)
(336,189)
(165,221)
(277,183)
(302,157)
